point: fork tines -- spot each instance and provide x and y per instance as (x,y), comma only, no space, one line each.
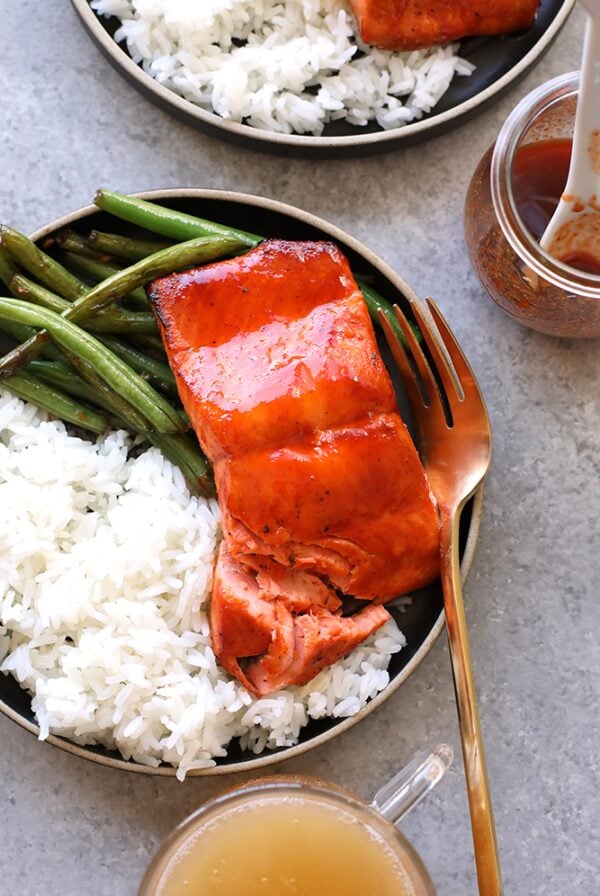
(435,376)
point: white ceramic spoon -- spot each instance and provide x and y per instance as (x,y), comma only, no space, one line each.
(575,225)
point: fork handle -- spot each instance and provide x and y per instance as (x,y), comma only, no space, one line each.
(478,789)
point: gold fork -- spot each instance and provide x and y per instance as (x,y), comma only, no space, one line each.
(455,441)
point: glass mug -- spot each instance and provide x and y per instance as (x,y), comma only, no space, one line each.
(287,835)
(532,286)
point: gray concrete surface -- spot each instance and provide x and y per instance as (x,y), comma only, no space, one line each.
(71,124)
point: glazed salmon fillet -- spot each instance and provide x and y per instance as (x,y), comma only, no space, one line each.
(321,489)
(414,24)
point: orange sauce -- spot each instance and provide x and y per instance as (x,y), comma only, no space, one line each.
(285,846)
(582,261)
(539,176)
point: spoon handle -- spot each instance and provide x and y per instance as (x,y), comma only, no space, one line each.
(586,133)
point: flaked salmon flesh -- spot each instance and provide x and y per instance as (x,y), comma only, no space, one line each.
(321,489)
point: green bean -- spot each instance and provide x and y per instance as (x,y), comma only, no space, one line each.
(23,333)
(165,221)
(152,345)
(113,401)
(107,398)
(177,448)
(18,331)
(183,255)
(124,381)
(28,387)
(42,266)
(97,270)
(88,386)
(23,288)
(375,302)
(8,268)
(71,241)
(67,288)
(194,466)
(64,377)
(156,372)
(111,320)
(123,246)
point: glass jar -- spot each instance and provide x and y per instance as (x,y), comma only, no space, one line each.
(532,286)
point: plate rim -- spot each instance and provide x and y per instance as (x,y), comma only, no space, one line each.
(269,140)
(267,758)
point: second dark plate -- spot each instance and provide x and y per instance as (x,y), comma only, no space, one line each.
(500,62)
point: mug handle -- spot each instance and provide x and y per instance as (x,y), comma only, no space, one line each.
(410,785)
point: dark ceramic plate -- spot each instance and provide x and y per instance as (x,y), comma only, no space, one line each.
(500,62)
(423,621)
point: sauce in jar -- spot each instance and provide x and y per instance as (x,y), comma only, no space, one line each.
(539,175)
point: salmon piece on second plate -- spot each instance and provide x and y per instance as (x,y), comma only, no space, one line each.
(415,24)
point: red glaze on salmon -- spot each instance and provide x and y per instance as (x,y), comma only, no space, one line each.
(414,24)
(320,486)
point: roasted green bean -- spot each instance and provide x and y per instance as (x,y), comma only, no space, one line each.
(375,302)
(123,246)
(8,268)
(124,381)
(63,377)
(50,399)
(71,241)
(166,221)
(23,333)
(156,372)
(40,265)
(98,270)
(111,320)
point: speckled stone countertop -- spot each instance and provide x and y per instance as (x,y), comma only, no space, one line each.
(71,124)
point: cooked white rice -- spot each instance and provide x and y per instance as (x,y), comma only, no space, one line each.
(280,65)
(105,572)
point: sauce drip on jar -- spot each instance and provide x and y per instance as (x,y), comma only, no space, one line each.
(539,175)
